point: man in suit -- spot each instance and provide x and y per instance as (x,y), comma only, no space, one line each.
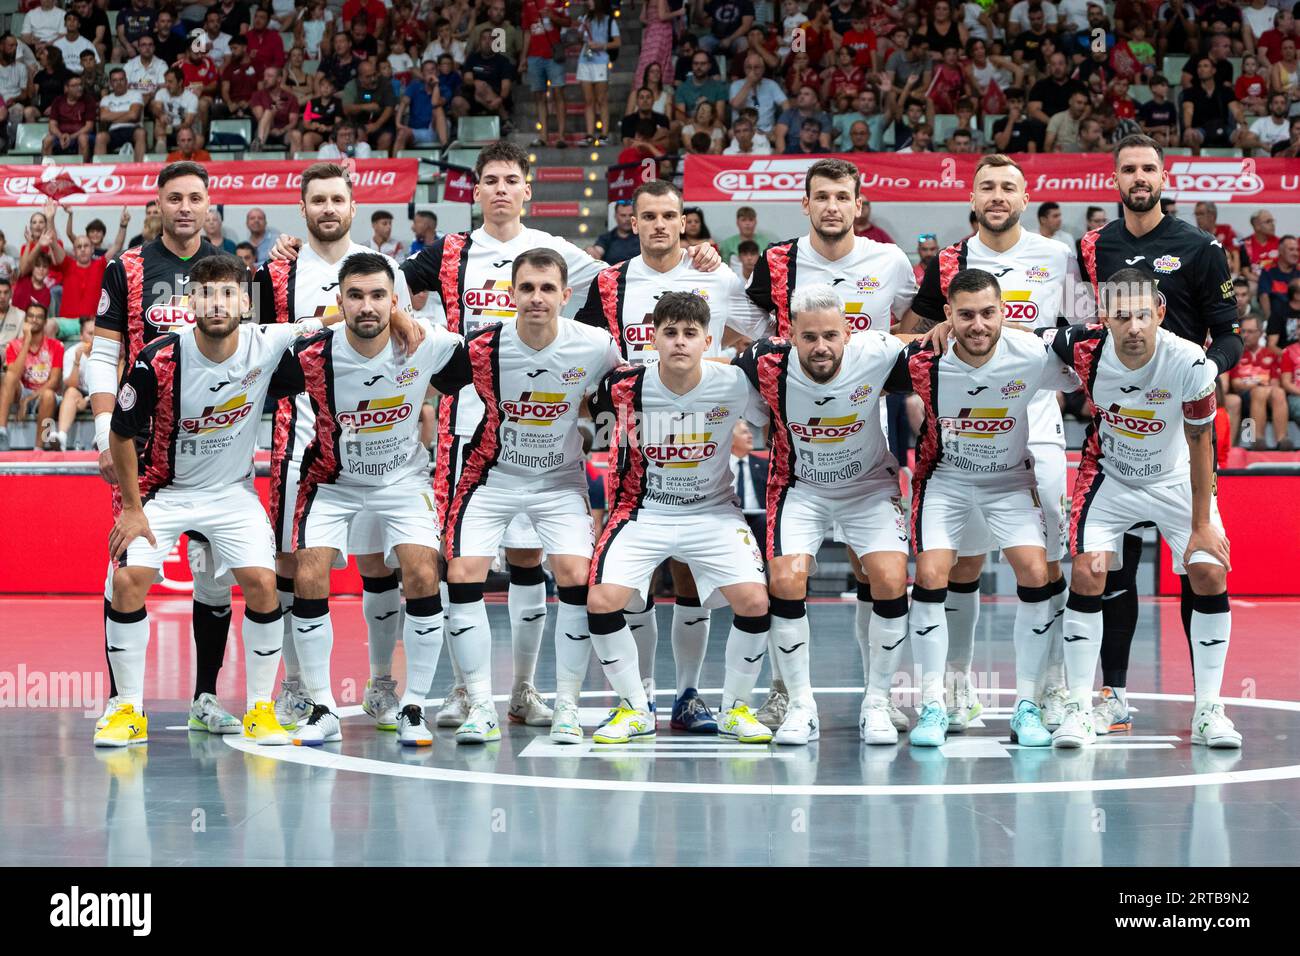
(750,471)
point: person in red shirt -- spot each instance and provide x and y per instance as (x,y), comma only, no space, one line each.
(799,73)
(862,41)
(264,44)
(239,81)
(542,21)
(1207,218)
(376,13)
(1120,101)
(641,147)
(83,279)
(1256,379)
(844,75)
(42,239)
(1290,365)
(33,372)
(1251,88)
(72,122)
(1270,42)
(863,226)
(31,287)
(1261,247)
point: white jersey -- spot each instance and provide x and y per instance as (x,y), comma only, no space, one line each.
(204,414)
(122,104)
(675,450)
(976,430)
(826,435)
(622,300)
(145,79)
(1136,435)
(177,107)
(875,281)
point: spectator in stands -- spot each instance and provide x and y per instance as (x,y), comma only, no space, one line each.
(645,111)
(728,21)
(544,61)
(1216,12)
(76,396)
(239,81)
(150,209)
(600,34)
(1017,132)
(489,83)
(187,149)
(346,143)
(809,142)
(145,73)
(32,286)
(421,118)
(1270,42)
(1284,325)
(1178,29)
(169,46)
(756,91)
(1159,117)
(341,65)
(959,141)
(1275,281)
(1211,114)
(806,106)
(1256,379)
(202,78)
(136,21)
(381,224)
(174,108)
(922,141)
(705,121)
(1285,74)
(444,42)
(310,29)
(11,317)
(927,247)
(908,65)
(323,116)
(261,238)
(1052,94)
(497,25)
(1251,87)
(73,44)
(33,373)
(216,40)
(747,254)
(122,112)
(275,113)
(863,226)
(14,77)
(214,228)
(47,84)
(1063,128)
(800,72)
(1092,137)
(658,18)
(94,81)
(967,121)
(747,141)
(642,146)
(1260,248)
(1274,128)
(1029,47)
(1049,224)
(859,38)
(1290,385)
(425,229)
(700,85)
(1207,218)
(247,254)
(844,75)
(43,25)
(264,43)
(619,243)
(72,123)
(697,230)
(663,95)
(746,231)
(83,279)
(371,104)
(1291,148)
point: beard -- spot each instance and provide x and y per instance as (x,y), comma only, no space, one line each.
(827,236)
(1012,219)
(830,374)
(367,332)
(216,327)
(1140,205)
(317,232)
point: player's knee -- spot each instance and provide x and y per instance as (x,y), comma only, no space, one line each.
(889,582)
(787,581)
(749,601)
(1088,573)
(372,566)
(130,587)
(1207,578)
(258,585)
(285,564)
(603,599)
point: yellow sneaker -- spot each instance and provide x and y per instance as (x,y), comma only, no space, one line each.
(261,725)
(739,723)
(624,725)
(124,727)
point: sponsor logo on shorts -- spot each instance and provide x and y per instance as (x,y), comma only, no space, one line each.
(979,423)
(376,415)
(492,299)
(860,394)
(1167,264)
(1132,422)
(218,417)
(1037,274)
(536,408)
(868,284)
(717,414)
(827,431)
(407,375)
(1157,395)
(1013,388)
(171,316)
(1018,307)
(682,451)
(574,375)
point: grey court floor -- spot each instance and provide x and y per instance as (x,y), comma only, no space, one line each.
(1145,799)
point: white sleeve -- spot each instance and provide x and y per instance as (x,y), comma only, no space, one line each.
(404,292)
(742,314)
(755,408)
(583,269)
(100,373)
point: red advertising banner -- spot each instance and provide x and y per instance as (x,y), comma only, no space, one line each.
(937,177)
(263,181)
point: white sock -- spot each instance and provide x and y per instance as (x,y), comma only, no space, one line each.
(572,642)
(262,642)
(888,632)
(929,626)
(1031,637)
(128,641)
(690,643)
(745,652)
(288,649)
(791,634)
(526,604)
(1211,632)
(617,654)
(644,628)
(314,640)
(1054,670)
(383,613)
(457,675)
(1082,637)
(422,641)
(963,613)
(468,632)
(862,629)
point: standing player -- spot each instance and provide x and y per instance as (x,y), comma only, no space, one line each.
(622,300)
(973,454)
(875,282)
(672,424)
(288,291)
(533,377)
(365,458)
(1040,284)
(1145,386)
(1192,272)
(198,399)
(830,467)
(144,297)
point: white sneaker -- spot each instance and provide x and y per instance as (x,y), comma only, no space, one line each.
(455,709)
(800,727)
(109,710)
(411,731)
(322,727)
(566,728)
(740,724)
(772,712)
(1053,704)
(964,709)
(624,724)
(527,706)
(1211,727)
(875,724)
(1075,730)
(292,706)
(898,718)
(481,726)
(381,703)
(208,715)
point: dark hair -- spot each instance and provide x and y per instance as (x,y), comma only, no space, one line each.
(833,169)
(747,247)
(114,71)
(704,226)
(1241,281)
(1015,92)
(324,171)
(4,280)
(183,168)
(220,267)
(41,259)
(380,214)
(1138,141)
(173,71)
(86,318)
(1047,208)
(239,40)
(681,307)
(365,264)
(426,212)
(502,151)
(972,281)
(37,305)
(1158,80)
(540,258)
(996,161)
(1127,280)
(701,141)
(247,245)
(656,187)
(97,224)
(1091,209)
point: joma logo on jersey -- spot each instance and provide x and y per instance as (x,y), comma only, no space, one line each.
(682,451)
(641,336)
(493,298)
(979,423)
(1017,306)
(216,417)
(860,394)
(1013,388)
(827,431)
(536,408)
(858,321)
(1132,422)
(175,314)
(1158,395)
(376,415)
(1037,274)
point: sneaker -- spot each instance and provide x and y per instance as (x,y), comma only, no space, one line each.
(566,728)
(772,711)
(1027,728)
(292,706)
(455,709)
(898,718)
(262,726)
(648,685)
(800,727)
(1111,716)
(742,724)
(322,727)
(208,715)
(1076,729)
(1053,706)
(875,724)
(109,710)
(380,702)
(124,727)
(411,731)
(624,724)
(527,706)
(931,728)
(692,715)
(481,726)
(1211,727)
(965,708)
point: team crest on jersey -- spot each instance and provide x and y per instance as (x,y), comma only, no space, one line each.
(1167,264)
(536,408)
(978,423)
(376,415)
(250,378)
(407,375)
(1037,274)
(640,337)
(1017,306)
(103,302)
(682,451)
(857,319)
(716,414)
(1013,388)
(492,299)
(126,398)
(219,417)
(860,394)
(827,431)
(574,375)
(868,284)
(172,316)
(1132,422)
(1157,395)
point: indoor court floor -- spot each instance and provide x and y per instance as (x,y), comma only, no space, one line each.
(1145,799)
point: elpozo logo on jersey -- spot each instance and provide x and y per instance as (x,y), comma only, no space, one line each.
(536,408)
(171,316)
(1167,264)
(640,336)
(407,375)
(250,378)
(493,299)
(376,415)
(1132,422)
(1013,388)
(860,394)
(682,451)
(1157,395)
(574,375)
(716,414)
(1037,274)
(218,417)
(868,284)
(1017,306)
(858,320)
(979,423)
(827,431)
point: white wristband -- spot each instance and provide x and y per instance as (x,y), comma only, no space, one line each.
(103,421)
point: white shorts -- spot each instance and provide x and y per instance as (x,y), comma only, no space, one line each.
(1104,509)
(871,522)
(1049,476)
(593,72)
(365,535)
(401,514)
(478,523)
(718,546)
(232,520)
(520,533)
(942,510)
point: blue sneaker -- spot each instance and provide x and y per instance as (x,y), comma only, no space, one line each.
(692,715)
(1027,726)
(931,727)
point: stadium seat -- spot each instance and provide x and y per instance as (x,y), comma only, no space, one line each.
(1173,68)
(237,127)
(1177,151)
(69,160)
(1220,151)
(155,157)
(16,24)
(307,154)
(1139,94)
(944,124)
(30,136)
(310,66)
(287,39)
(425,172)
(8,6)
(478,130)
(989,120)
(257,157)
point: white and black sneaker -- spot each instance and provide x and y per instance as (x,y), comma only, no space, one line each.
(411,731)
(322,727)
